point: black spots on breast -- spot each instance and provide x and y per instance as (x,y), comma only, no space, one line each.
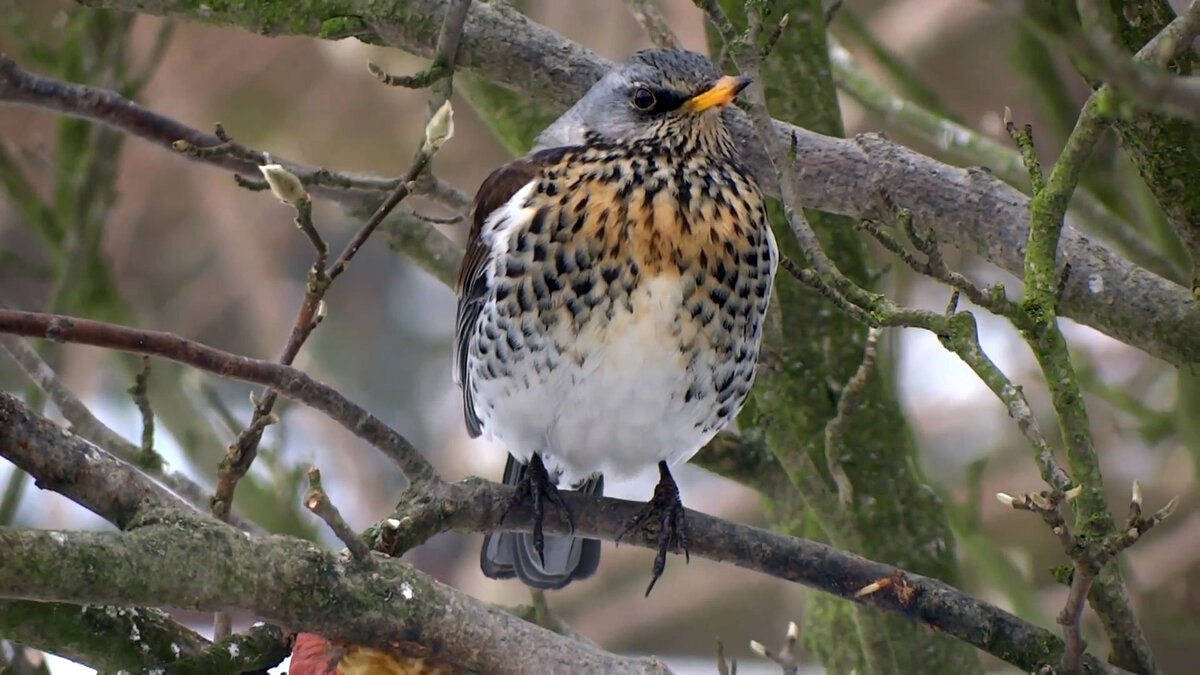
(750,258)
(583,285)
(701,311)
(502,292)
(720,272)
(562,233)
(540,251)
(762,287)
(609,274)
(526,298)
(719,295)
(603,220)
(564,262)
(537,224)
(578,309)
(685,222)
(514,269)
(552,281)
(650,190)
(726,382)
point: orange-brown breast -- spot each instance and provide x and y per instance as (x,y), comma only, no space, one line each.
(662,217)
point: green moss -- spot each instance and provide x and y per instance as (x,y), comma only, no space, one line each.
(809,349)
(1063,574)
(336,28)
(513,118)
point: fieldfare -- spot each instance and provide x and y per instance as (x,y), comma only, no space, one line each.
(611,302)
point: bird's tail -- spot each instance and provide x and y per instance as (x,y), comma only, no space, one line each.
(509,554)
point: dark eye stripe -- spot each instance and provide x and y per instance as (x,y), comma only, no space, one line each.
(665,100)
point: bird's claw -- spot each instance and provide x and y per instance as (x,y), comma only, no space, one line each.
(534,487)
(665,509)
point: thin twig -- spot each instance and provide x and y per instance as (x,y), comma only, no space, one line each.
(322,506)
(87,425)
(1088,556)
(650,18)
(786,658)
(110,108)
(141,398)
(725,667)
(1144,77)
(847,406)
(427,509)
(287,380)
(969,145)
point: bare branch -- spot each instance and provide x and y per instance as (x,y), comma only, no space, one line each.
(204,565)
(287,380)
(647,14)
(73,467)
(117,491)
(968,209)
(319,503)
(786,658)
(84,423)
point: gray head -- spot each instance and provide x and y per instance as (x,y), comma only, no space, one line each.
(656,93)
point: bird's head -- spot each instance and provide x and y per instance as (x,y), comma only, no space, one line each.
(669,95)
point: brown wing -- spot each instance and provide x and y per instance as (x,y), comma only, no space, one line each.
(473,287)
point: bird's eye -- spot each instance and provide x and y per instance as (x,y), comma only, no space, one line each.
(643,99)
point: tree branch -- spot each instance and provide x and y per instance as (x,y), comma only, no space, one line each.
(967,208)
(69,465)
(172,559)
(84,423)
(287,380)
(106,637)
(429,507)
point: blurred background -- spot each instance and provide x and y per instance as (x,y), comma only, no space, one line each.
(131,233)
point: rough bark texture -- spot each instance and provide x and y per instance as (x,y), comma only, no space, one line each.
(968,208)
(177,558)
(1165,149)
(808,356)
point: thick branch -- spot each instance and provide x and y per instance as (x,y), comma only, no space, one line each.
(73,467)
(202,565)
(299,572)
(968,208)
(106,637)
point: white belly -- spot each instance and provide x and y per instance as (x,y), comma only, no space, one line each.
(620,410)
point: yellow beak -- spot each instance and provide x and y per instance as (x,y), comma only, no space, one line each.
(719,93)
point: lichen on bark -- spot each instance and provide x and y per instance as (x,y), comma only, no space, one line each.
(894,516)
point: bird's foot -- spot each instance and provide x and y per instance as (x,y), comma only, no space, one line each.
(534,487)
(664,513)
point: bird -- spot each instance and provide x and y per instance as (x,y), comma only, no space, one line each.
(611,303)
